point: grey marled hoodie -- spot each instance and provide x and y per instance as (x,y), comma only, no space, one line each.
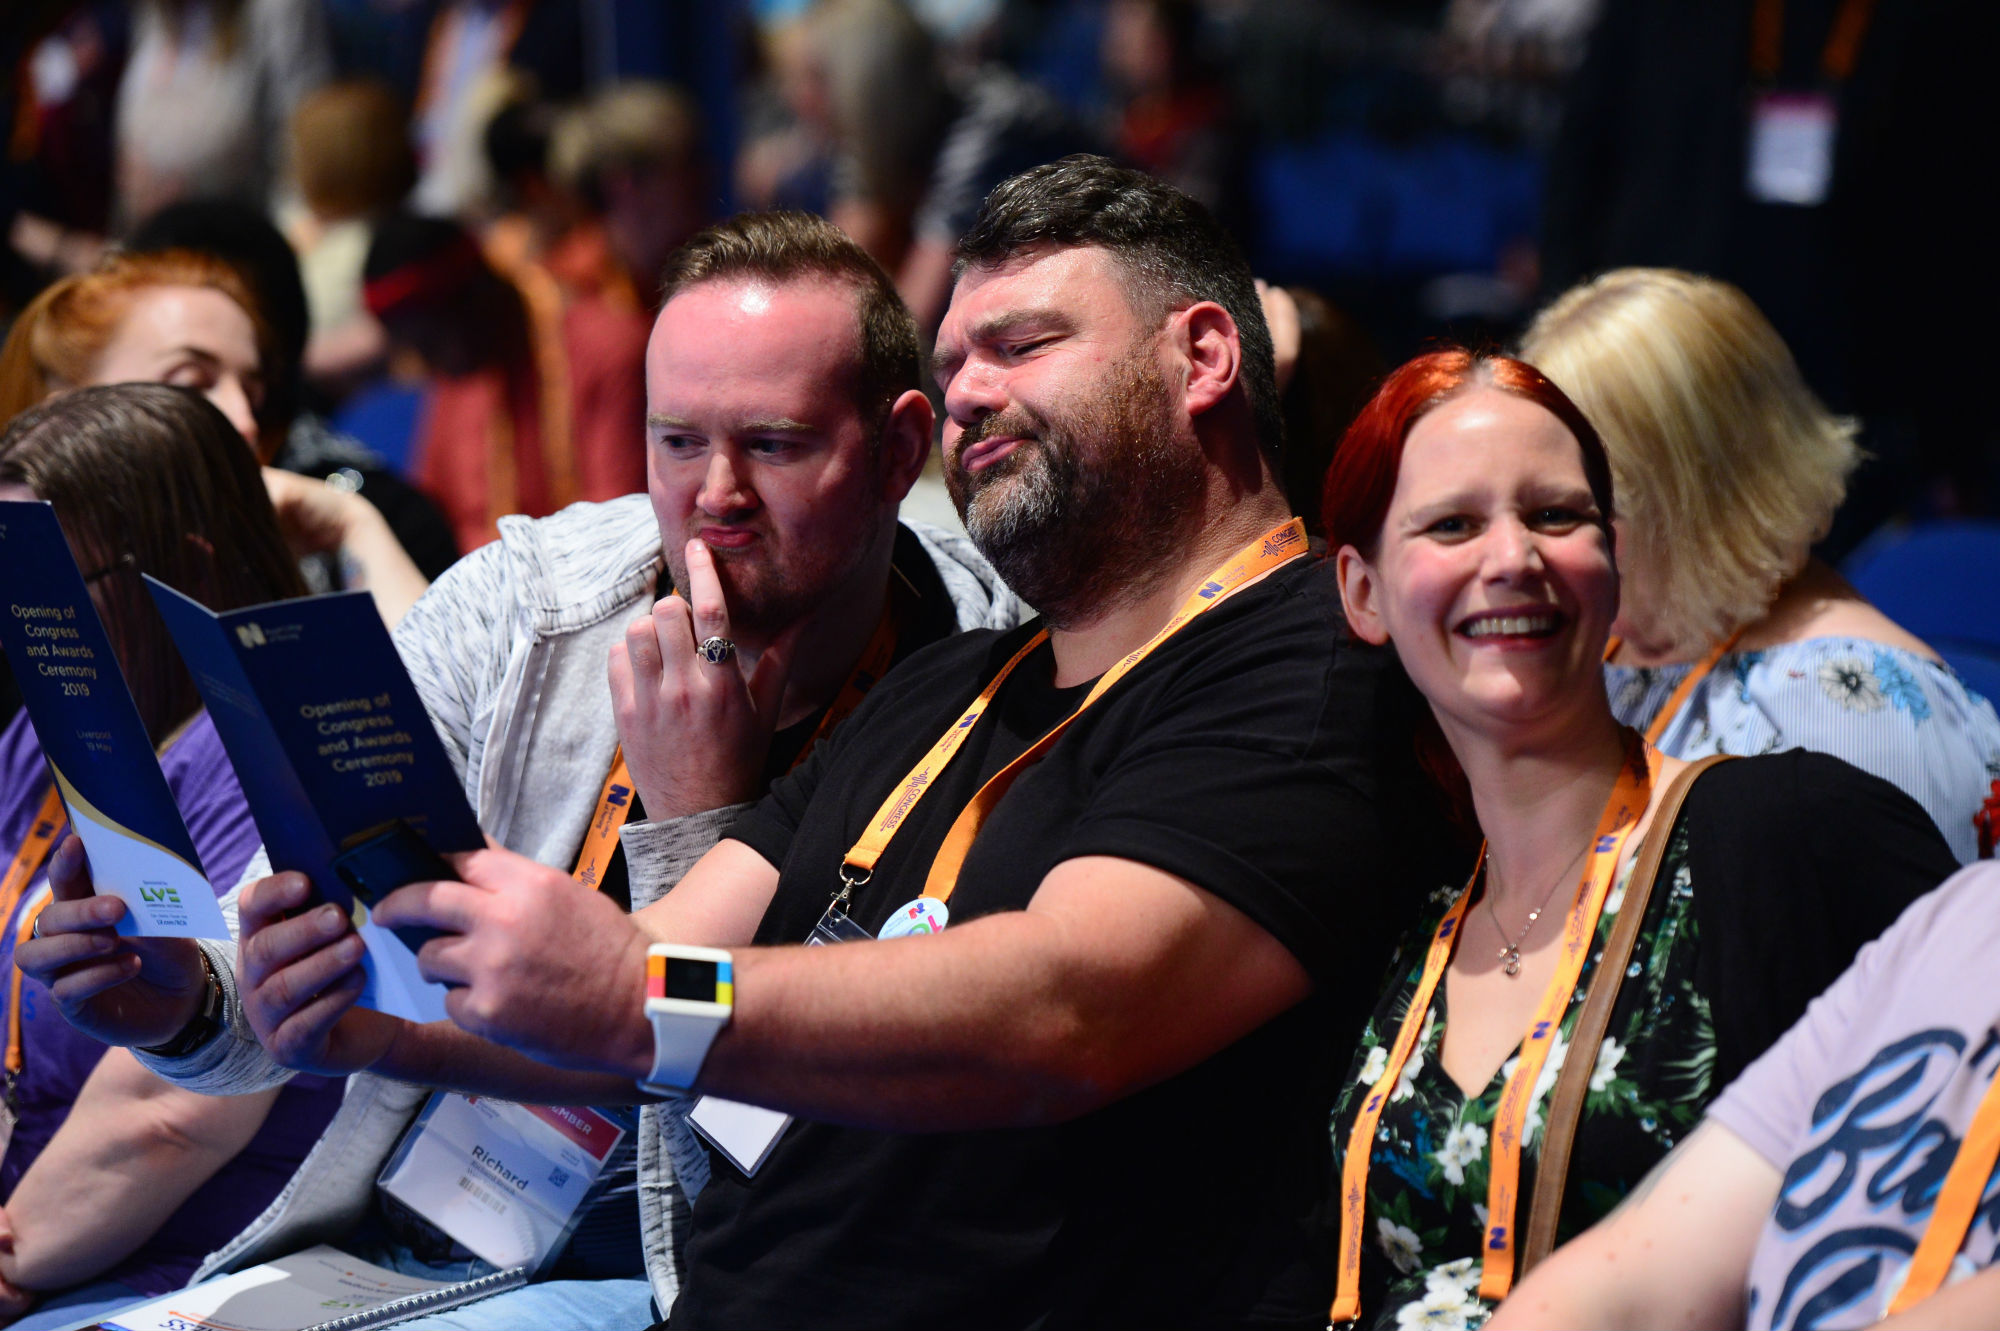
(507,650)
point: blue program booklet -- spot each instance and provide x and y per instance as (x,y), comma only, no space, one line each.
(332,745)
(92,736)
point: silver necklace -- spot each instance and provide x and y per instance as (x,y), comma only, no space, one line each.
(1510,952)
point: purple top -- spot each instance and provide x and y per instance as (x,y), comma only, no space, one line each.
(57,1058)
(1862,1105)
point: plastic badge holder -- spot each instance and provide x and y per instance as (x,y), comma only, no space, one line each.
(507,1230)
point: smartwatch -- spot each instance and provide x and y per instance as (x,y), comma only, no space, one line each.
(689,994)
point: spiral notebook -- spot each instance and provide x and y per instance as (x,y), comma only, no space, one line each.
(319,1289)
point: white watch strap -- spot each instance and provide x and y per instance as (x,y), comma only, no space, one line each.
(680,1044)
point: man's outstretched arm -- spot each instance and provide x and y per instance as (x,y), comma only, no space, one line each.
(1674,1256)
(1117,976)
(299,972)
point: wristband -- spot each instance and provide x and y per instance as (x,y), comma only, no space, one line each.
(690,992)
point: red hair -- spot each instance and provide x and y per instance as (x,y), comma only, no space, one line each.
(1362,476)
(1361,480)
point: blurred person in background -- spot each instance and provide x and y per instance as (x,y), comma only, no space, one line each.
(1731,637)
(633,154)
(292,436)
(207,96)
(55,175)
(1327,369)
(351,166)
(472,47)
(1173,121)
(785,157)
(914,151)
(187,319)
(519,415)
(117,1184)
(1812,152)
(526,213)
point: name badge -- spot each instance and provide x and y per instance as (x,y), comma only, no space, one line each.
(505,1180)
(1790,157)
(745,1134)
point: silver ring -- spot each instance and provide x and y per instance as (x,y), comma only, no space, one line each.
(716,650)
(36,930)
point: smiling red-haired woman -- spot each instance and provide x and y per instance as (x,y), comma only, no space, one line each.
(1469,511)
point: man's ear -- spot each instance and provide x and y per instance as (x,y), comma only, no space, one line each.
(1214,351)
(1358,596)
(906,444)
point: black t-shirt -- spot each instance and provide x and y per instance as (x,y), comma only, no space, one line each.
(1245,756)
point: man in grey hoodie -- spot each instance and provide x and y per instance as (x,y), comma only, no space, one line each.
(784,428)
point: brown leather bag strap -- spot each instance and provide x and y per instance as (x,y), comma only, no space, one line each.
(1573,1082)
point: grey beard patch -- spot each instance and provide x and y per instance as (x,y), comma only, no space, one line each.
(1004,515)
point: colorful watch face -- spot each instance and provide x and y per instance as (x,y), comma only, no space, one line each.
(691,980)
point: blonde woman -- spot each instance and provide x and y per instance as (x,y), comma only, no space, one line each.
(1730,637)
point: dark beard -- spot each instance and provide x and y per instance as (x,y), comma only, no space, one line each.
(1086,512)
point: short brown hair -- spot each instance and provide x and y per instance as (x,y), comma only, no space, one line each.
(1172,250)
(351,149)
(147,478)
(790,246)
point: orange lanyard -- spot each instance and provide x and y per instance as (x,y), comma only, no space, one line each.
(34,852)
(1266,554)
(16,1060)
(43,833)
(1836,60)
(1678,698)
(614,801)
(1622,811)
(1957,1203)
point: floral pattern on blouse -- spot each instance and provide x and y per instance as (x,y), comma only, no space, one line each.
(1903,717)
(1427,1180)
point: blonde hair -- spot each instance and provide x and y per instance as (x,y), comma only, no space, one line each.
(56,341)
(634,123)
(1727,467)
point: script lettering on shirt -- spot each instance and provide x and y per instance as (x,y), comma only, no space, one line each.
(1874,1129)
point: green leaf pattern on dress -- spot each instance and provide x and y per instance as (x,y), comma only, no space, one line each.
(1427,1181)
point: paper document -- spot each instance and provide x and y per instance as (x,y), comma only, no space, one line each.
(98,752)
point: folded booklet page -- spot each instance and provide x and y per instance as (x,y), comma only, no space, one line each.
(333,749)
(90,731)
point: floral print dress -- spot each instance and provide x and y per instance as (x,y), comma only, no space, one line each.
(1427,1179)
(1906,718)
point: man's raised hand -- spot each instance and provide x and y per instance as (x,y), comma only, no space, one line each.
(696,733)
(537,961)
(127,991)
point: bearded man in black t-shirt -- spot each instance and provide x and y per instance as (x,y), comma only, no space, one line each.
(1119,877)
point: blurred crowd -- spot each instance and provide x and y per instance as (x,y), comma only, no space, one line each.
(480,193)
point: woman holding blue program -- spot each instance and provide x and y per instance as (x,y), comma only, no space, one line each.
(112,1184)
